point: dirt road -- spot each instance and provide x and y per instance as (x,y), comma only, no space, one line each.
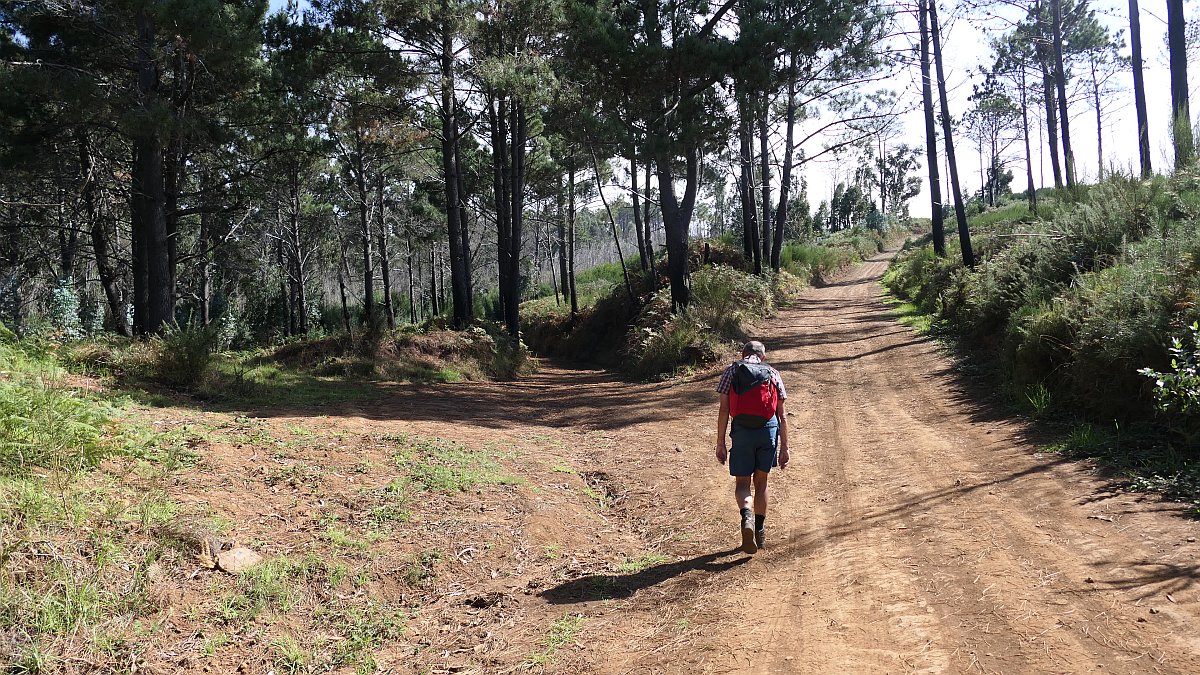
(917,530)
(920,531)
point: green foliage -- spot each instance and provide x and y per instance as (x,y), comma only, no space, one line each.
(182,355)
(43,422)
(1178,390)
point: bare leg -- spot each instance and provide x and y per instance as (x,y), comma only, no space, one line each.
(760,492)
(741,491)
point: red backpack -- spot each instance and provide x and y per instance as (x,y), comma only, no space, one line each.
(753,398)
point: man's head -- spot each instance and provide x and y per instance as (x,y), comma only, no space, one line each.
(754,348)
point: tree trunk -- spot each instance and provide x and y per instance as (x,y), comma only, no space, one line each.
(571,239)
(1028,153)
(1139,88)
(935,181)
(750,241)
(435,310)
(785,182)
(1181,116)
(149,214)
(343,278)
(964,235)
(645,251)
(412,281)
(364,233)
(385,259)
(677,216)
(764,151)
(519,129)
(1099,128)
(613,222)
(1049,98)
(100,244)
(1060,81)
(460,270)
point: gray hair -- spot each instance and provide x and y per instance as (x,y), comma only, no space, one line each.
(754,347)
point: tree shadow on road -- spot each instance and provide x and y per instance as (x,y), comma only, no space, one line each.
(617,586)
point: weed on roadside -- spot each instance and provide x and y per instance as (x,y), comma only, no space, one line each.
(438,465)
(562,633)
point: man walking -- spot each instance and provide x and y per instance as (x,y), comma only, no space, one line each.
(752,394)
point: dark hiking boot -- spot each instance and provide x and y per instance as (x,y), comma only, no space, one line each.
(759,537)
(748,544)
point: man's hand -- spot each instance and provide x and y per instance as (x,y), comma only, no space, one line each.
(722,452)
(784,457)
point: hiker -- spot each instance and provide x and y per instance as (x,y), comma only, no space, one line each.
(752,393)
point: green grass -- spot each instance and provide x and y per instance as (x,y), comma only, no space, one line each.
(439,465)
(642,563)
(562,633)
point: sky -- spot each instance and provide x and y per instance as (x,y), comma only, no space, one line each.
(966,44)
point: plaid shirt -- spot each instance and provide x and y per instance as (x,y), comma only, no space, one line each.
(727,378)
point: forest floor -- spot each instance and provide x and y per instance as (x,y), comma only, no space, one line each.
(584,526)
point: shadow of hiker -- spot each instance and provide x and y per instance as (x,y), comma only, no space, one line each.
(617,586)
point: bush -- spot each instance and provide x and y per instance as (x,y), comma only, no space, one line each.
(1077,303)
(181,356)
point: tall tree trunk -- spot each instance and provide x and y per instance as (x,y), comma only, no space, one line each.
(1050,99)
(460,269)
(365,237)
(501,177)
(1181,116)
(434,309)
(677,217)
(412,279)
(571,238)
(931,155)
(385,259)
(646,203)
(464,227)
(764,151)
(750,234)
(1060,82)
(964,235)
(1139,88)
(1028,153)
(1099,127)
(644,251)
(519,129)
(204,265)
(613,222)
(785,182)
(560,199)
(148,214)
(101,247)
(343,279)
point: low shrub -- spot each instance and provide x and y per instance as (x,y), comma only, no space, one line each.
(181,356)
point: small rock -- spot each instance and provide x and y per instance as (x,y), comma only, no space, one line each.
(1153,611)
(237,560)
(1089,580)
(1191,540)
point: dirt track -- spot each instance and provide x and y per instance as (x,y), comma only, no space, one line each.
(917,530)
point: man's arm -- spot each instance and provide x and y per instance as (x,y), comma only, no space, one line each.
(784,455)
(722,428)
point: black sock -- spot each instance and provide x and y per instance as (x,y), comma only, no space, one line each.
(745,513)
(758,521)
